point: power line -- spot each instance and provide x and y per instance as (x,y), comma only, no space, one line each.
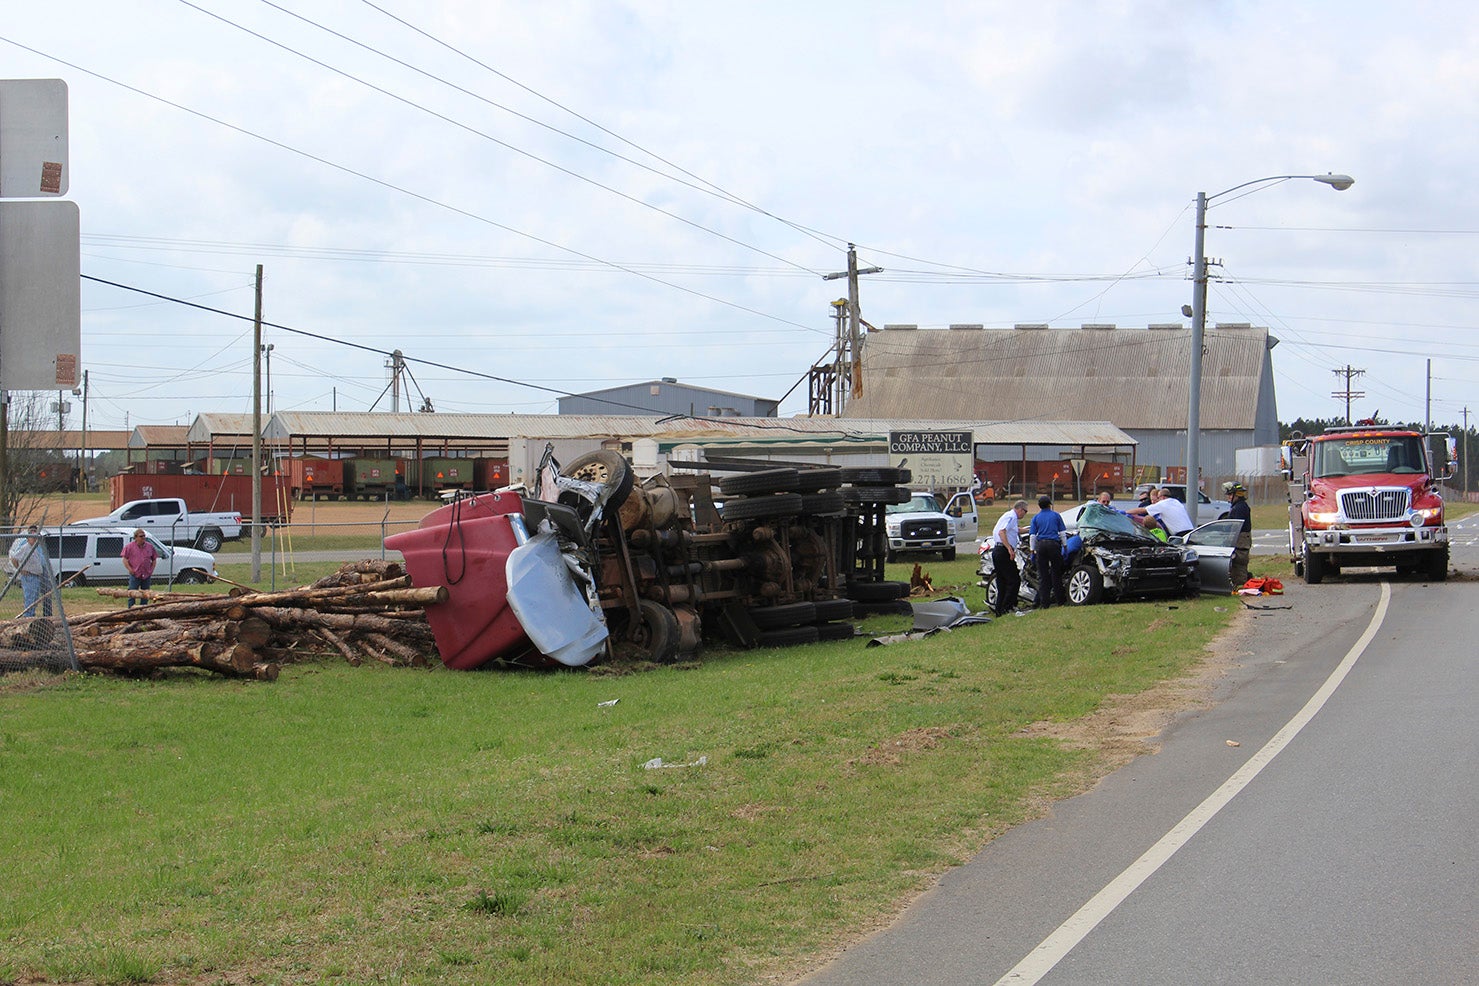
(492,139)
(410,359)
(411,194)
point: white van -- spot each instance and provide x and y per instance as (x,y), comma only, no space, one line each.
(97,553)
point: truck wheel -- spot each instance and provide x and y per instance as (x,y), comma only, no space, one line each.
(1085,586)
(1314,567)
(656,634)
(764,481)
(209,540)
(607,468)
(890,556)
(948,554)
(192,576)
(765,505)
(784,615)
(1437,565)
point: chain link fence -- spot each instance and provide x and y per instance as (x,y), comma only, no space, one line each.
(34,632)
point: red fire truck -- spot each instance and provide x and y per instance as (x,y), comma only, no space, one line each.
(1367,496)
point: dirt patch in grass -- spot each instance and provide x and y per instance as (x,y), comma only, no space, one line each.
(891,752)
(1126,726)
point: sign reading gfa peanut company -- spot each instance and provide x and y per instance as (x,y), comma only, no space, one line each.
(937,459)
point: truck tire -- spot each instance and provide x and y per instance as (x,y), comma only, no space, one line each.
(192,576)
(1085,585)
(875,475)
(209,540)
(948,554)
(607,468)
(1314,567)
(814,480)
(1437,565)
(867,495)
(656,635)
(765,505)
(829,610)
(784,615)
(764,481)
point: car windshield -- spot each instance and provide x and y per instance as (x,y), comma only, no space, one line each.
(1361,455)
(1098,519)
(919,503)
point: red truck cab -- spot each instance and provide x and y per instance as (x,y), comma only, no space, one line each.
(1366,496)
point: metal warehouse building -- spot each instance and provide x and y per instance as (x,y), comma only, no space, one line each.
(1135,378)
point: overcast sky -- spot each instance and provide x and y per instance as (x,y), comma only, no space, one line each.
(536,198)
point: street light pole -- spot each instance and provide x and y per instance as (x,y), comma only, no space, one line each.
(1199,321)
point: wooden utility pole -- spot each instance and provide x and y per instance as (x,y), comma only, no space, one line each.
(1350,373)
(854,344)
(257,434)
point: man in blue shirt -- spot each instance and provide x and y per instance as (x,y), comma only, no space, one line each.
(1046,537)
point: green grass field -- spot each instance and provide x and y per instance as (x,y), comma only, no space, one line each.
(371,824)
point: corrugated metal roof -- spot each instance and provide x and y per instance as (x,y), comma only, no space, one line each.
(219,427)
(156,436)
(483,427)
(1137,378)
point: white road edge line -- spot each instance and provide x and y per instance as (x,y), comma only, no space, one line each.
(1041,960)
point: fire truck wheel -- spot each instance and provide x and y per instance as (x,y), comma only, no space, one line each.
(607,468)
(1314,568)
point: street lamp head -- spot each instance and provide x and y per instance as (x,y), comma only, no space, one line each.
(1338,182)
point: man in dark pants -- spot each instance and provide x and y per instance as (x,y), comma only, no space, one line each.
(1237,495)
(1045,535)
(1004,545)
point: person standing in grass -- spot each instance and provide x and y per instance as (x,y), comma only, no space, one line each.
(1004,546)
(1046,540)
(139,557)
(28,559)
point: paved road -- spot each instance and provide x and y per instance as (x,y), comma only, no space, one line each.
(1348,857)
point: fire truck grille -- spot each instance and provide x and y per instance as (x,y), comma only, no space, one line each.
(1375,504)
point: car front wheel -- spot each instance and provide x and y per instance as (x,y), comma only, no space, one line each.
(1085,586)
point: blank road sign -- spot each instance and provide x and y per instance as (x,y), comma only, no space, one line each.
(40,295)
(33,138)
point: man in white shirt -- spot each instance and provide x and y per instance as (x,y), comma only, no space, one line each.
(1005,539)
(1170,511)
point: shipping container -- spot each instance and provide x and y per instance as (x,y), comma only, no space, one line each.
(208,494)
(1099,476)
(489,474)
(373,479)
(1052,477)
(428,477)
(312,478)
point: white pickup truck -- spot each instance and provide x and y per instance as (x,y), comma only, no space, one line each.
(921,524)
(171,521)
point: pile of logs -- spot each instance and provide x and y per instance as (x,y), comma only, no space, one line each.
(365,610)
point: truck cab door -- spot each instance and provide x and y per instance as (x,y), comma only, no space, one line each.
(962,507)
